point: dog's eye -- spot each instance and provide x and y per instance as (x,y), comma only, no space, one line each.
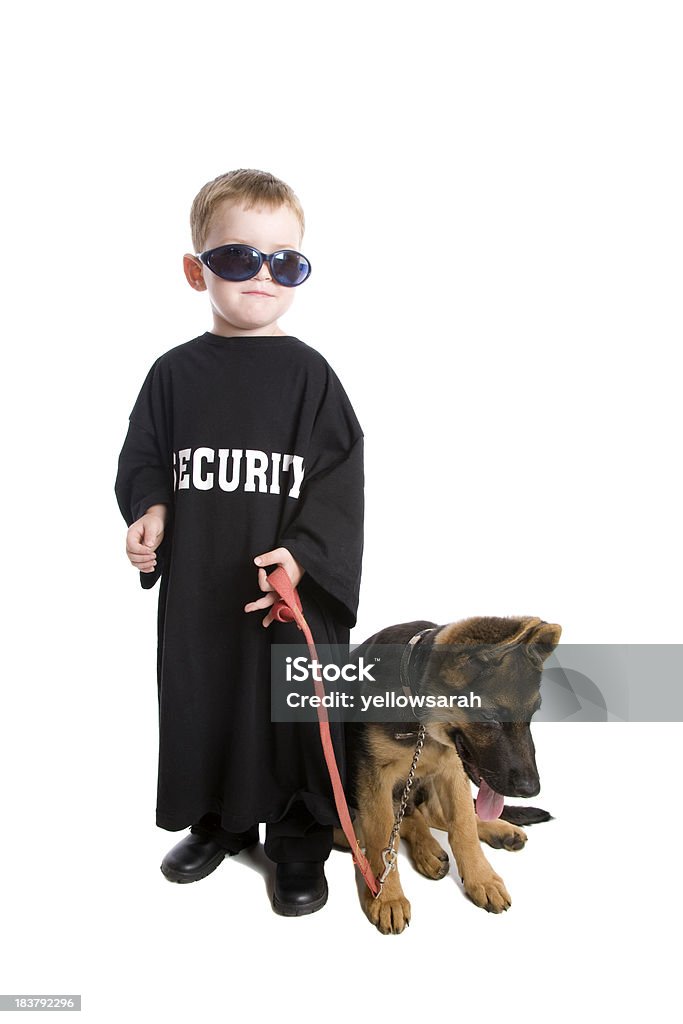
(489,716)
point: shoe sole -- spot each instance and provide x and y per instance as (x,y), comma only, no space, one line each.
(299,909)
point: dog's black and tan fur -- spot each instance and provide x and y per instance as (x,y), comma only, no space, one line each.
(504,658)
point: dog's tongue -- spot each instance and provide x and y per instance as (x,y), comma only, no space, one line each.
(489,803)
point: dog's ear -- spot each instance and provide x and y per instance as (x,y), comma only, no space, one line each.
(494,653)
(542,642)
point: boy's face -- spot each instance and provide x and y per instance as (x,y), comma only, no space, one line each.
(253,306)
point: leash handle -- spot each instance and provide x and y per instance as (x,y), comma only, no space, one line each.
(289,609)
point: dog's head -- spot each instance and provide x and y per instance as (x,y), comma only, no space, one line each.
(501,661)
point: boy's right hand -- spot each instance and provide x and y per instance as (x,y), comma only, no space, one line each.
(144,537)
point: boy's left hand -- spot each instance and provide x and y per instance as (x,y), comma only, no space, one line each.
(279,556)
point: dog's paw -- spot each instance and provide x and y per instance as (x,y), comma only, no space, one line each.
(487,890)
(430,858)
(390,915)
(501,835)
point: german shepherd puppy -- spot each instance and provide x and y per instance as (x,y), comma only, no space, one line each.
(503,659)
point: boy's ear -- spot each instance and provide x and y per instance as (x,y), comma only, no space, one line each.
(194,273)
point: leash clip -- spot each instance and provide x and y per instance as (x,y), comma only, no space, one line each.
(389,858)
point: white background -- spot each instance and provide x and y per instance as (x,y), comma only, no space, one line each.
(494,207)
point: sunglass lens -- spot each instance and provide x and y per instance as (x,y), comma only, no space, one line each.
(234,262)
(290,268)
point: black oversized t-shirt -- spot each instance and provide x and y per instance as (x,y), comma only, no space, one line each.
(253,444)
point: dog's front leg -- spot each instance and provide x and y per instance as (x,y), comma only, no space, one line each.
(483,886)
(390,911)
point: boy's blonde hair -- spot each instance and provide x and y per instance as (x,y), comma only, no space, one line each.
(247,187)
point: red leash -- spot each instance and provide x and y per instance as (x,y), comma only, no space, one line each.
(288,609)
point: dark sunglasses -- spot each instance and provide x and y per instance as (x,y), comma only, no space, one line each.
(241,262)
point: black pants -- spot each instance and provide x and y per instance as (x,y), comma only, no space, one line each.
(296,837)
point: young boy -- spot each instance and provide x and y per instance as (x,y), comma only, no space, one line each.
(243,452)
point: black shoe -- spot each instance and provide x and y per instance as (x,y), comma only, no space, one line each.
(300,888)
(194,857)
(197,855)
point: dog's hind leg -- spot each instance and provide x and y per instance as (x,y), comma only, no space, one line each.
(498,834)
(429,857)
(483,886)
(501,835)
(339,839)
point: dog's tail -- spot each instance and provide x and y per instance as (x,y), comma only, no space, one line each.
(519,815)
